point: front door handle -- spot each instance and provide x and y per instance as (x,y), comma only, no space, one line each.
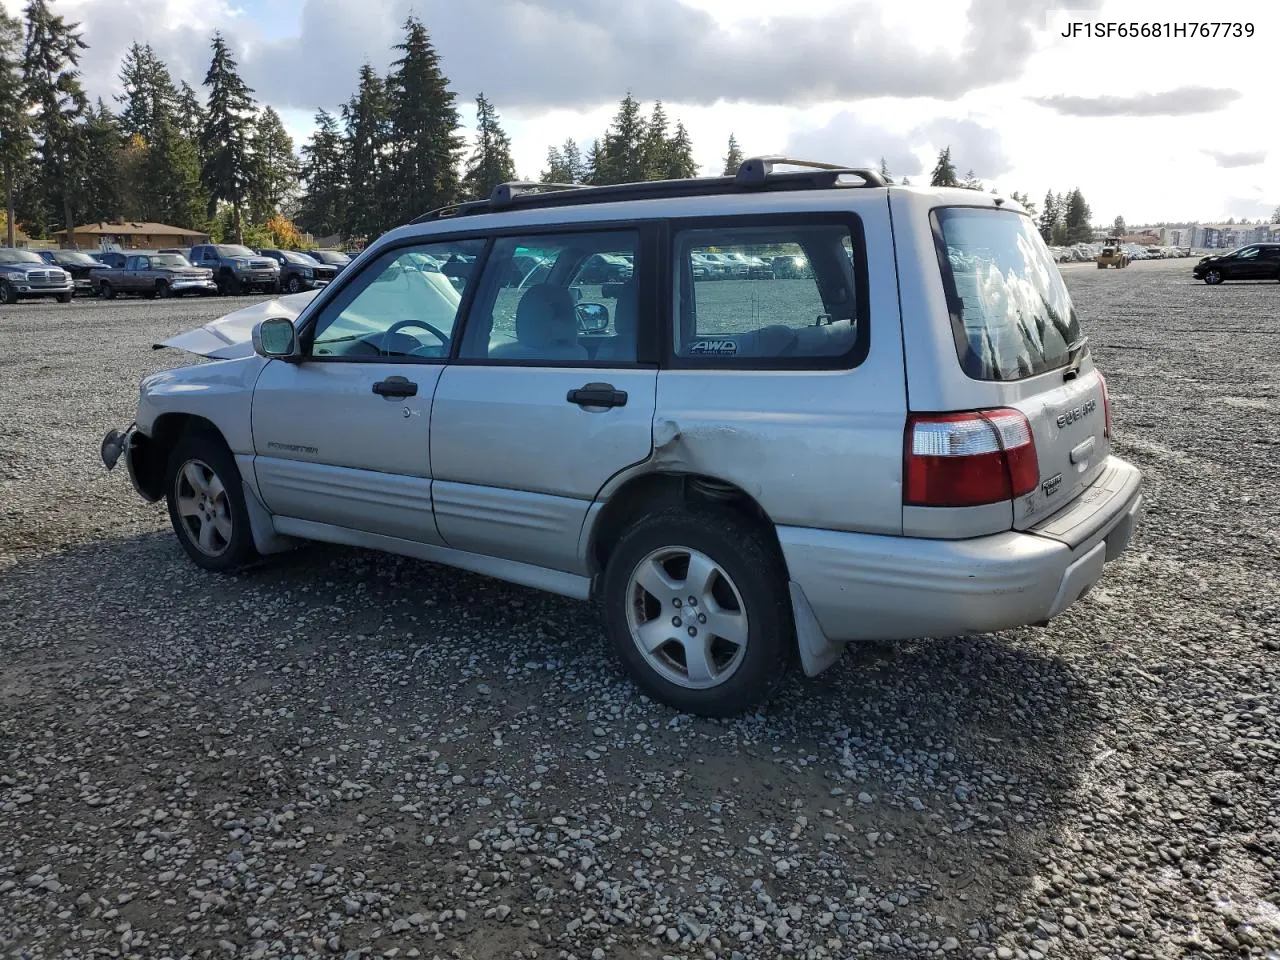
(394,387)
(598,395)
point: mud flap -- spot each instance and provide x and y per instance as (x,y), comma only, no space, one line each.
(817,653)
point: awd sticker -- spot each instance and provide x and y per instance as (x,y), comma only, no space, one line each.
(716,348)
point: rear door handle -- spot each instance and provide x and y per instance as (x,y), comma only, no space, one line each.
(598,395)
(394,387)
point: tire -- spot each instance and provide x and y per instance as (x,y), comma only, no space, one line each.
(217,506)
(1213,277)
(163,291)
(748,586)
(295,284)
(7,294)
(65,297)
(106,291)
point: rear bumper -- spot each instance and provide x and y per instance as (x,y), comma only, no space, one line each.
(863,587)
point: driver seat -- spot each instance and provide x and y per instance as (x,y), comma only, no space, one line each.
(546,327)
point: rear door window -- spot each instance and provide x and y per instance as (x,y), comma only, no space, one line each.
(1010,311)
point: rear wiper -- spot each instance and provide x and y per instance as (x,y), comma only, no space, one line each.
(1075,353)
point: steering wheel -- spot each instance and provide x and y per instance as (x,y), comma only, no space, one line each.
(422,324)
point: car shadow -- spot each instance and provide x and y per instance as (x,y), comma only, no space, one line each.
(943,770)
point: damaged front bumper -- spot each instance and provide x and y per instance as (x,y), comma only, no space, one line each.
(122,445)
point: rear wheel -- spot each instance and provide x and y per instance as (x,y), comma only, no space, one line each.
(106,291)
(696,607)
(1213,277)
(206,503)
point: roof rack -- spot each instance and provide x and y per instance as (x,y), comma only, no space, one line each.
(754,174)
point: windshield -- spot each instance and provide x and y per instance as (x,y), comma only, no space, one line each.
(1010,311)
(19,256)
(297,258)
(330,256)
(234,250)
(170,260)
(74,257)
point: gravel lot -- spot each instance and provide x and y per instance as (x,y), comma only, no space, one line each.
(356,755)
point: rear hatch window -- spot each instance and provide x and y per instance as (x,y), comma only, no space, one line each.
(1010,311)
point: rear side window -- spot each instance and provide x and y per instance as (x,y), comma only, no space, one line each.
(770,295)
(1010,311)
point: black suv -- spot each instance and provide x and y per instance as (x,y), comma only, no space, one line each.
(299,272)
(1257,261)
(77,263)
(330,258)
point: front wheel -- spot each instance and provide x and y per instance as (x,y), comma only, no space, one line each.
(696,605)
(107,291)
(163,291)
(1213,277)
(295,284)
(206,504)
(65,297)
(7,294)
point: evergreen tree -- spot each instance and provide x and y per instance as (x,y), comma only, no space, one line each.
(655,146)
(884,171)
(1077,217)
(274,167)
(906,181)
(574,164)
(1049,216)
(15,143)
(596,163)
(367,117)
(944,172)
(971,181)
(491,162)
(324,203)
(189,114)
(1118,228)
(102,190)
(149,93)
(1275,216)
(733,159)
(622,156)
(1027,203)
(172,191)
(225,148)
(557,170)
(425,137)
(134,154)
(58,104)
(680,162)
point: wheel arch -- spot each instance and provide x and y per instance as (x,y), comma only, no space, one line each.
(149,453)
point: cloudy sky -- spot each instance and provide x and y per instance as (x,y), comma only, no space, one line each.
(1154,129)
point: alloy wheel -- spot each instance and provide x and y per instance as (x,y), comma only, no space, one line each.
(204,508)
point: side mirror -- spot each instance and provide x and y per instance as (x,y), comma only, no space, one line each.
(593,318)
(275,339)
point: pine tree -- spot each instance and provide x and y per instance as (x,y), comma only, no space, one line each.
(102,190)
(906,181)
(1118,227)
(1275,216)
(1077,218)
(971,181)
(367,118)
(189,113)
(15,143)
(425,135)
(622,158)
(655,146)
(557,170)
(491,162)
(596,164)
(274,167)
(172,192)
(680,162)
(149,93)
(733,159)
(1027,203)
(50,60)
(324,168)
(1049,216)
(225,147)
(574,164)
(944,172)
(884,171)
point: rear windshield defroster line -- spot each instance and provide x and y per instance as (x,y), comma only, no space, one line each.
(1011,315)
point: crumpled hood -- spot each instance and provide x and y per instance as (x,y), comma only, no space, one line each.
(230,337)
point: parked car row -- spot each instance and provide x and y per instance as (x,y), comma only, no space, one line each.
(1088,252)
(203,270)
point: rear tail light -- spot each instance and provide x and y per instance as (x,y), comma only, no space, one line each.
(968,459)
(1106,407)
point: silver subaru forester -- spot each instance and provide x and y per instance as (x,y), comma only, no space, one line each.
(883,423)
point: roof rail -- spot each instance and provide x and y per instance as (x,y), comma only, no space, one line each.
(755,174)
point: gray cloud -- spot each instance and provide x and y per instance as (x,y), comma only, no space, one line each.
(1181,102)
(1247,158)
(529,55)
(848,139)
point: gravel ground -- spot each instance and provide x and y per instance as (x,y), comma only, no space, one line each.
(356,755)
